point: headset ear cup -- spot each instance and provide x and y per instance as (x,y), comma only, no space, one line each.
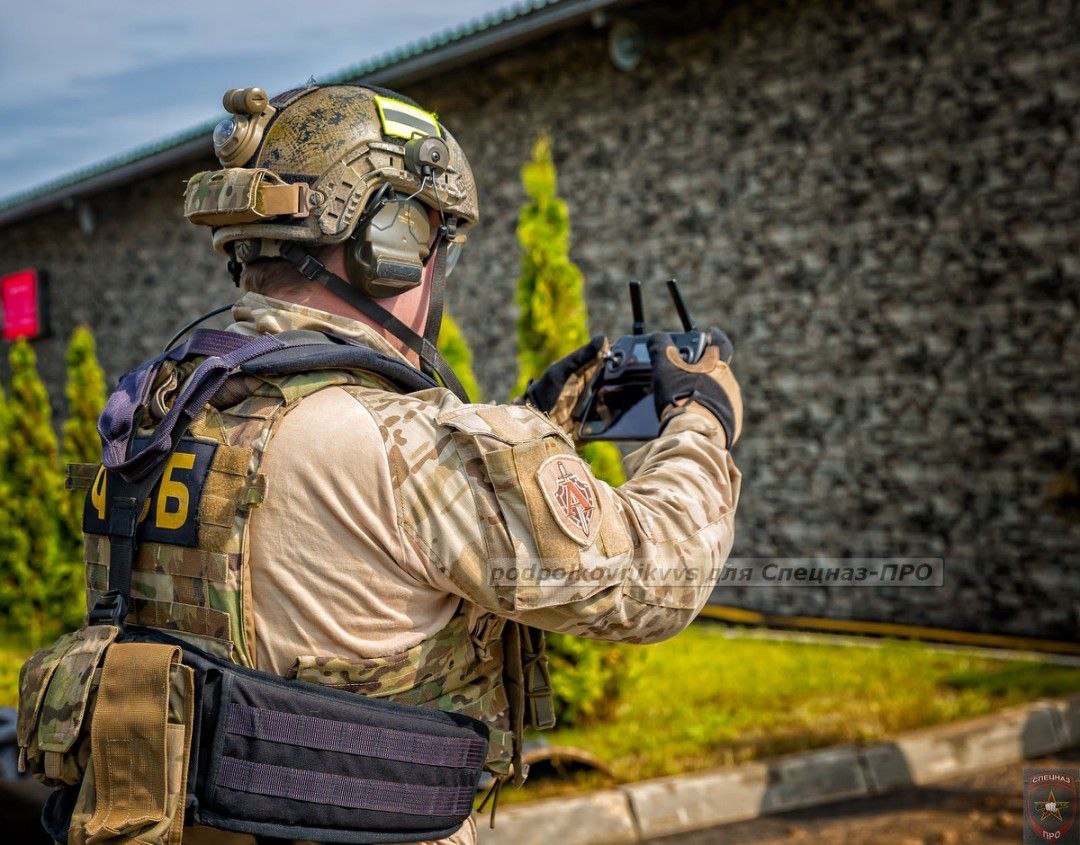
(386,257)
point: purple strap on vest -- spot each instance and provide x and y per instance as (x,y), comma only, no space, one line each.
(209,342)
(343,790)
(352,738)
(226,351)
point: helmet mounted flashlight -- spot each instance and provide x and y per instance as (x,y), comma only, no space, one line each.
(237,137)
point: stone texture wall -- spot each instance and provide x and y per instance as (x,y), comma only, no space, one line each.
(879,200)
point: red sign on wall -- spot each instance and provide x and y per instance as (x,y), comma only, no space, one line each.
(23,305)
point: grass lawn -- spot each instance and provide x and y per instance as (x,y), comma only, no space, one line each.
(712,697)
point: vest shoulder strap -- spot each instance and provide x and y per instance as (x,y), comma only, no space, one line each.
(224,354)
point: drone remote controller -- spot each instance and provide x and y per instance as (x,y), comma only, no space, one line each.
(618,403)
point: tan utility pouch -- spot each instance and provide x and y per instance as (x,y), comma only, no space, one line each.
(116,719)
(140,740)
(242,195)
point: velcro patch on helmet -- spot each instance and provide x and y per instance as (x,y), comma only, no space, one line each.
(401,120)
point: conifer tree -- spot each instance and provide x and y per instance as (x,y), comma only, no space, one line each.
(14,548)
(33,497)
(553,322)
(81,444)
(85,398)
(552,317)
(455,350)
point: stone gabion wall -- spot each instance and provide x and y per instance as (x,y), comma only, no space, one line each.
(878,200)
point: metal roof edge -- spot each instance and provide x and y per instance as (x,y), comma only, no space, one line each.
(460,45)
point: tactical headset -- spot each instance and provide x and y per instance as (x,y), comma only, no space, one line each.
(393,238)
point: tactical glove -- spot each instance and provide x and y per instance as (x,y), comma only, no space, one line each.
(559,388)
(709,383)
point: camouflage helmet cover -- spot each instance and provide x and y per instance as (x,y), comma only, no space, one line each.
(333,139)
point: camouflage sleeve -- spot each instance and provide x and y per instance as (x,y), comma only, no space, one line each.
(498,508)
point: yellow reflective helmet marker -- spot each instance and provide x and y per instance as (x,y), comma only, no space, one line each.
(400,120)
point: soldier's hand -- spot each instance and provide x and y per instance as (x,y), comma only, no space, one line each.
(709,384)
(559,388)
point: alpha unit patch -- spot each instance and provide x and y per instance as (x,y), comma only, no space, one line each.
(570,492)
(400,120)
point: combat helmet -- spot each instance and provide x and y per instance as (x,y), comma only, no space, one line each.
(333,164)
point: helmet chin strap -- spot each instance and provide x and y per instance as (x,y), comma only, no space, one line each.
(431,362)
(437,288)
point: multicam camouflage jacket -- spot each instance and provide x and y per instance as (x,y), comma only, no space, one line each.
(497,508)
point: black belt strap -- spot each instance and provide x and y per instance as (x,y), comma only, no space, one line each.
(438,293)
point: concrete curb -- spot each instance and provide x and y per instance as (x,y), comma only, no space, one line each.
(639,811)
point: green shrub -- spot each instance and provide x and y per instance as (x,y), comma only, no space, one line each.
(455,350)
(81,444)
(589,677)
(552,322)
(14,543)
(552,319)
(31,581)
(85,398)
(41,568)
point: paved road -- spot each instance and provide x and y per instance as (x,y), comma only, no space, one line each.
(986,808)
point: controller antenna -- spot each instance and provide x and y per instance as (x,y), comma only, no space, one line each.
(680,305)
(637,311)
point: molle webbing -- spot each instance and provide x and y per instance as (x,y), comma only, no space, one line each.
(199,589)
(343,791)
(528,688)
(306,731)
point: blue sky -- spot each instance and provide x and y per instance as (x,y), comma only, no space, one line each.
(81,81)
